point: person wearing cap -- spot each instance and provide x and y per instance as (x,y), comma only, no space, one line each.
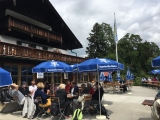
(64,103)
(24,89)
(15,93)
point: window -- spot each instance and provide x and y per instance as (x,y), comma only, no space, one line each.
(57,78)
(13,69)
(48,77)
(25,44)
(85,77)
(32,45)
(26,74)
(65,75)
(39,47)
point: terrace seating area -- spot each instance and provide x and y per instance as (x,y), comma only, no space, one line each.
(152,84)
(115,87)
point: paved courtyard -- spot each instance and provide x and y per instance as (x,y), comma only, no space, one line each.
(121,106)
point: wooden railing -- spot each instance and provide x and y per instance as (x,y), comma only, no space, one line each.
(32,29)
(7,49)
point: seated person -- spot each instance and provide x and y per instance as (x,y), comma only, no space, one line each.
(95,96)
(74,89)
(149,79)
(90,88)
(83,91)
(16,94)
(47,87)
(62,94)
(24,89)
(68,86)
(143,80)
(154,79)
(40,93)
(123,84)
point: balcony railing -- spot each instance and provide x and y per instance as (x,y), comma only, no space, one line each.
(32,30)
(12,50)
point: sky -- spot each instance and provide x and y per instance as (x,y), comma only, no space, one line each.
(140,17)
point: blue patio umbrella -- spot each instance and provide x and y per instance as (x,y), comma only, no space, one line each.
(118,77)
(74,67)
(100,64)
(52,66)
(128,76)
(102,77)
(132,76)
(156,62)
(155,72)
(110,76)
(5,78)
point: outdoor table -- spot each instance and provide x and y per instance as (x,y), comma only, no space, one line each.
(148,102)
(51,95)
(69,96)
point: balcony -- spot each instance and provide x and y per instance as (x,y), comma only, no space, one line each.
(26,28)
(11,50)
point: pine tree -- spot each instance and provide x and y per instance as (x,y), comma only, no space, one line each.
(101,41)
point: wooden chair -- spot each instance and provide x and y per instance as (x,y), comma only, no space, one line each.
(87,102)
(118,89)
(42,108)
(61,109)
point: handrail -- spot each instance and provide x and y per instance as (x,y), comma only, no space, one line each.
(7,49)
(33,30)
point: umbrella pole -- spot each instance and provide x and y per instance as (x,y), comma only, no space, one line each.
(100,117)
(99,91)
(52,78)
(77,76)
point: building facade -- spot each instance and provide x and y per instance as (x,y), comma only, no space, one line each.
(32,31)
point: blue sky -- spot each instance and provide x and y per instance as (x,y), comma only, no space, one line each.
(140,17)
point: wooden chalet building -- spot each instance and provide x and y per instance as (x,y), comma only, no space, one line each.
(32,31)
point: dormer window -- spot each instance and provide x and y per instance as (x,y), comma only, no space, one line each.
(25,44)
(39,47)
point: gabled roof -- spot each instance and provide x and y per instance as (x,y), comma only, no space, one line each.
(69,39)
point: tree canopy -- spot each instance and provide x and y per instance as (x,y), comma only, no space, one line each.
(132,50)
(100,39)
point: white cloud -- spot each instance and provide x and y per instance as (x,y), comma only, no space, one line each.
(135,16)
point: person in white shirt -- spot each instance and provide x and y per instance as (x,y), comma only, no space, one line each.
(32,88)
(149,79)
(143,80)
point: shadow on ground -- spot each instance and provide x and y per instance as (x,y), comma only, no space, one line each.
(145,119)
(17,113)
(107,102)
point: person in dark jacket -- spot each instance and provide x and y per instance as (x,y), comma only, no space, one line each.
(24,89)
(123,84)
(61,93)
(40,93)
(84,89)
(74,89)
(95,96)
(47,87)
